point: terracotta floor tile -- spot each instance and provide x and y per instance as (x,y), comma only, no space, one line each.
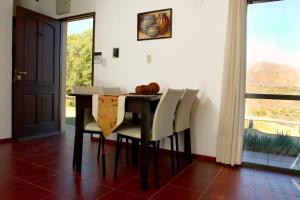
(271,175)
(205,170)
(41,159)
(56,197)
(58,182)
(110,181)
(42,169)
(34,174)
(15,166)
(84,190)
(133,186)
(26,192)
(171,192)
(230,191)
(9,183)
(59,166)
(115,195)
(192,182)
(213,197)
(280,186)
(234,177)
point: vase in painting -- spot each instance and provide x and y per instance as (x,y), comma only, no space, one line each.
(163,22)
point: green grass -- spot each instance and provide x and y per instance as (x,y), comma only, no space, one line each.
(70,113)
(274,127)
(280,143)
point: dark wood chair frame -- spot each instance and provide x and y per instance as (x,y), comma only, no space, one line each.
(187,145)
(155,149)
(100,148)
(135,142)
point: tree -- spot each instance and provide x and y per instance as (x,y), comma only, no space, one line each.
(79,59)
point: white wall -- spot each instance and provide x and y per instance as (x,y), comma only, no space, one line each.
(48,7)
(6,14)
(193,58)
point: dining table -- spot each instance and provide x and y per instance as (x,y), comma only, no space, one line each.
(140,105)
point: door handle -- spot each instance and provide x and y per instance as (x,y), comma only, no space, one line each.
(22,73)
(18,75)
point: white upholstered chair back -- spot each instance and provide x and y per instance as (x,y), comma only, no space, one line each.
(183,111)
(76,89)
(89,90)
(164,115)
(111,91)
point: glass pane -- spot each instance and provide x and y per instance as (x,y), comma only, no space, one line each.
(273,48)
(272,132)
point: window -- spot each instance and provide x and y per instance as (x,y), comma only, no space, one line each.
(272,110)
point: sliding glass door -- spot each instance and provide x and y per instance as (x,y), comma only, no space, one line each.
(272,110)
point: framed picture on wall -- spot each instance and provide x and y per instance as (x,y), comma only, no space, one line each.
(155,24)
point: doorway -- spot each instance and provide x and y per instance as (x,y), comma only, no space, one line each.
(78,55)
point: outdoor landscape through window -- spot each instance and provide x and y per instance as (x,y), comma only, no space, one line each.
(272,110)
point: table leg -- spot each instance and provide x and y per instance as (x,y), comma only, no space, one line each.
(186,135)
(134,152)
(75,150)
(145,140)
(76,137)
(187,145)
(77,156)
(135,117)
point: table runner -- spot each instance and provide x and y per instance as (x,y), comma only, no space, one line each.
(109,112)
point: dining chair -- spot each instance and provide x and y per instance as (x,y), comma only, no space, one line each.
(114,91)
(91,126)
(182,122)
(162,127)
(77,89)
(86,90)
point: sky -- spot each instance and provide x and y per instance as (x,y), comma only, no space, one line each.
(80,26)
(273,32)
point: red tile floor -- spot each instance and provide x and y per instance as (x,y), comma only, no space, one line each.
(42,169)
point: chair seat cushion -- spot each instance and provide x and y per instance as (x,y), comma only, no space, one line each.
(91,126)
(130,130)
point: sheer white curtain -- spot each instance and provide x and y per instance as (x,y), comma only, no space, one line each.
(231,123)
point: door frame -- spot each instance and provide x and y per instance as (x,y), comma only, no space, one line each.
(64,22)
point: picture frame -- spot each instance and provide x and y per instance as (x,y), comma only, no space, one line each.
(156,24)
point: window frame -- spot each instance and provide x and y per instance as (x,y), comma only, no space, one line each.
(269,96)
(260,1)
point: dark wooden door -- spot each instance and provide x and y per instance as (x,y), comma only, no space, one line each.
(36,81)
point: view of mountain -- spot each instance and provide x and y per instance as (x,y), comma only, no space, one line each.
(272,116)
(268,74)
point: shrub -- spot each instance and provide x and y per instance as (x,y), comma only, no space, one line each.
(70,102)
(278,143)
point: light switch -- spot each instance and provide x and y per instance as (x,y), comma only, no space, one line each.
(149,59)
(98,58)
(116,52)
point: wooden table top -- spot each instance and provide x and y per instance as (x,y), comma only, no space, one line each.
(152,97)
